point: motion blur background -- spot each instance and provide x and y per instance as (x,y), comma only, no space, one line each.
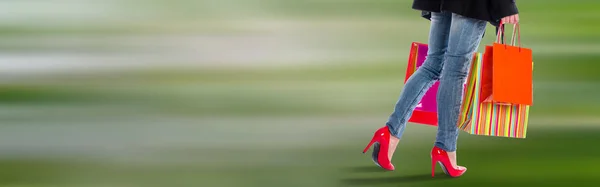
(261,93)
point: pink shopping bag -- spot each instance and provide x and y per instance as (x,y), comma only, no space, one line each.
(426,110)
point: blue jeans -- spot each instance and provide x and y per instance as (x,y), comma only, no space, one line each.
(453,40)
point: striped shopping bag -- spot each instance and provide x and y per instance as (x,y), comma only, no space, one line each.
(490,119)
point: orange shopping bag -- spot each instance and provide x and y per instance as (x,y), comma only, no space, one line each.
(507,72)
(490,119)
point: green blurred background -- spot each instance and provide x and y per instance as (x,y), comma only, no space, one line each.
(127,93)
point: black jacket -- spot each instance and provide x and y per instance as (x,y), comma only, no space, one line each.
(487,10)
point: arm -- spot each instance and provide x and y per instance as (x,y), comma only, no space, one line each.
(504,9)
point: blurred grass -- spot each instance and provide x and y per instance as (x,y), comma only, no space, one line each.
(550,157)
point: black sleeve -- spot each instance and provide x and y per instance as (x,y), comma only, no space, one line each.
(503,8)
(426,15)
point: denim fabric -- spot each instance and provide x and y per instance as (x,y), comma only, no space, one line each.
(453,40)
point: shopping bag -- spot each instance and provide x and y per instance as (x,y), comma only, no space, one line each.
(487,118)
(507,76)
(426,110)
(468,96)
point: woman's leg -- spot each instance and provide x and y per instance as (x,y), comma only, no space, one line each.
(422,79)
(465,36)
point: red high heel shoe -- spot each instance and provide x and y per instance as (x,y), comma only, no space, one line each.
(380,151)
(440,156)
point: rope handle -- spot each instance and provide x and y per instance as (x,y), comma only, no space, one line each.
(516,31)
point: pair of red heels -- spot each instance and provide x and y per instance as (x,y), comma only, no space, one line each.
(381,139)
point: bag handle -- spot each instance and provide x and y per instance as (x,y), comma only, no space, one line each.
(500,33)
(516,31)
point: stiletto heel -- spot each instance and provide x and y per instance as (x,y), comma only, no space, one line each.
(440,156)
(432,168)
(382,137)
(369,146)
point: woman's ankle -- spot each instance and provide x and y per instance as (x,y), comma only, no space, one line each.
(393,144)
